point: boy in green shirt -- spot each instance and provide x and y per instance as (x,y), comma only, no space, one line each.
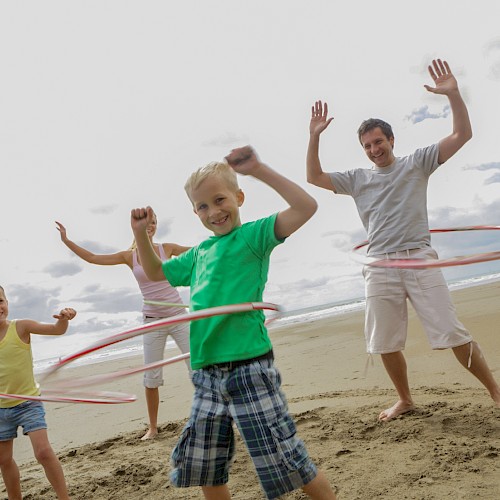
(235,378)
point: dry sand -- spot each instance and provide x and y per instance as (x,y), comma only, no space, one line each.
(449,448)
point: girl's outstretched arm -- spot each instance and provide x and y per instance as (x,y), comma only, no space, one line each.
(25,327)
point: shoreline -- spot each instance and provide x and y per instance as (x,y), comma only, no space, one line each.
(290,318)
(323,364)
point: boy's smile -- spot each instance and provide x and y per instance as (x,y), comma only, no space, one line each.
(217,206)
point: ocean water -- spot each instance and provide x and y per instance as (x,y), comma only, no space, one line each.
(43,358)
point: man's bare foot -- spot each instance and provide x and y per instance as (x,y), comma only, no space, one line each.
(399,408)
(151,434)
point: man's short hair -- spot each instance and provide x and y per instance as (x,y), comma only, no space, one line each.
(372,123)
(218,169)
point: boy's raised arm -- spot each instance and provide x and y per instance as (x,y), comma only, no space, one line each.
(151,263)
(302,205)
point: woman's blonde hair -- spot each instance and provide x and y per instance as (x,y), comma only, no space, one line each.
(217,169)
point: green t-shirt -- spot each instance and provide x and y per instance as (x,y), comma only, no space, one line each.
(228,269)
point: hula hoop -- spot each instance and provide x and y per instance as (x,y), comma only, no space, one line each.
(101,397)
(66,385)
(100,379)
(160,303)
(174,304)
(154,325)
(429,263)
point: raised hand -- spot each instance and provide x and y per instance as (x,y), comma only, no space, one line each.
(62,230)
(141,217)
(443,78)
(319,118)
(243,160)
(67,313)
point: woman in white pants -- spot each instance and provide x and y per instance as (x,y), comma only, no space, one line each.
(159,291)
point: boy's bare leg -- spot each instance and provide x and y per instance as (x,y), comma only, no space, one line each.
(319,488)
(49,461)
(478,367)
(153,403)
(10,471)
(216,492)
(395,365)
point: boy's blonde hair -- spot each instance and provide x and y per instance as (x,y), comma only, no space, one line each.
(218,169)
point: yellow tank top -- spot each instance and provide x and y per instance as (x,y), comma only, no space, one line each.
(16,368)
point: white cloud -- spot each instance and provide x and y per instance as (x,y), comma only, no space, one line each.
(58,269)
(104,209)
(96,247)
(164,228)
(33,302)
(486,167)
(111,301)
(493,179)
(492,53)
(130,103)
(423,113)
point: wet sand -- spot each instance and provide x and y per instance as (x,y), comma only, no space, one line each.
(448,448)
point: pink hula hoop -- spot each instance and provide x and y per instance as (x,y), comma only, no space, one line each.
(429,263)
(65,390)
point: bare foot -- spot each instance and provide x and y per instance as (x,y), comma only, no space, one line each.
(394,411)
(151,434)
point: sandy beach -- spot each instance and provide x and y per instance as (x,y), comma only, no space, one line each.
(449,448)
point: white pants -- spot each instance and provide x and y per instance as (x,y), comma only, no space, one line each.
(154,347)
(387,291)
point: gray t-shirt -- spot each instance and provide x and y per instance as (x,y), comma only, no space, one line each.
(392,201)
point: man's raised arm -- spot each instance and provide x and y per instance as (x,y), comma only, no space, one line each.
(319,122)
(447,85)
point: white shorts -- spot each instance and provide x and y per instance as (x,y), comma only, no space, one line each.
(154,347)
(386,318)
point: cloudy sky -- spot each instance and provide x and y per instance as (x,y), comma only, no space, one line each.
(109,105)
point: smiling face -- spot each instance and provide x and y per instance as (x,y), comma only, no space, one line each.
(151,229)
(378,147)
(217,205)
(4,306)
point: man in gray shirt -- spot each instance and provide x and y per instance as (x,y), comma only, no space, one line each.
(391,199)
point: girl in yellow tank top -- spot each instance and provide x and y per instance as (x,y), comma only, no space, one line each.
(16,377)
